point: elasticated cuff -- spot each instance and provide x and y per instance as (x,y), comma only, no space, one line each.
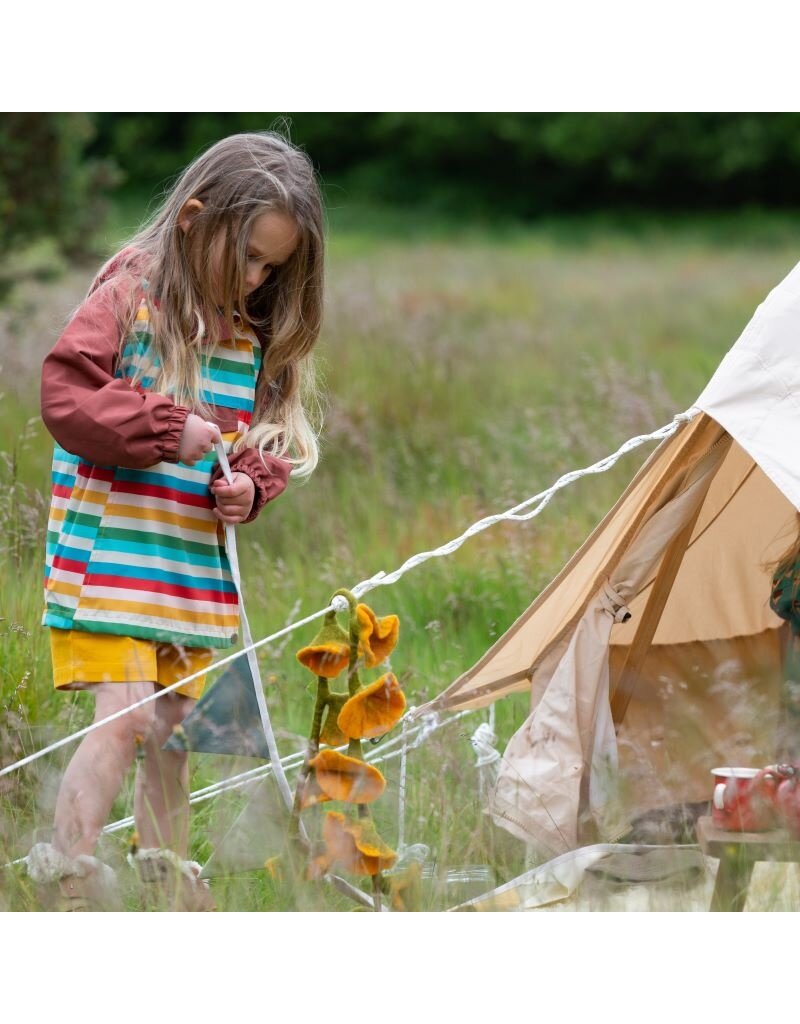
(173,433)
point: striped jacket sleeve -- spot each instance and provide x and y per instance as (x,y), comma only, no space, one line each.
(92,413)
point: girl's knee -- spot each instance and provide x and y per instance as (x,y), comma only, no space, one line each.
(134,727)
(137,722)
(171,711)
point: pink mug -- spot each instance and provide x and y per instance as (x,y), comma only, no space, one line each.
(739,805)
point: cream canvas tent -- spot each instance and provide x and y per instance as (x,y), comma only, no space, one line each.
(654,655)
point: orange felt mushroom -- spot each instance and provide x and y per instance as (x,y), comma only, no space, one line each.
(370,843)
(377,637)
(355,846)
(374,710)
(326,660)
(328,654)
(346,778)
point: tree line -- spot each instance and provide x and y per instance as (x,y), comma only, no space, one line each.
(57,170)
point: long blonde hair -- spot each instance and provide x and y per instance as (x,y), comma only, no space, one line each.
(237,180)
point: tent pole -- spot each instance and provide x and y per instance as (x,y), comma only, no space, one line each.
(627,676)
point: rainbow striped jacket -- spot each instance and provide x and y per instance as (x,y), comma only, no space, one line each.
(134,548)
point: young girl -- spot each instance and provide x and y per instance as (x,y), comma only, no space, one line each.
(199,329)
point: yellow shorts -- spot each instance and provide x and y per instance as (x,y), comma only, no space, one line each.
(81,658)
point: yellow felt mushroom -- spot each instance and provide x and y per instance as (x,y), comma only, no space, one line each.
(374,710)
(377,637)
(346,778)
(355,846)
(328,654)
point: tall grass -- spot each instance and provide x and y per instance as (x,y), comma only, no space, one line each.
(464,372)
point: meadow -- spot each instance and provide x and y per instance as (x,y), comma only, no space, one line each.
(464,368)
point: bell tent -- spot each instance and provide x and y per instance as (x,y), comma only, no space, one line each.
(654,655)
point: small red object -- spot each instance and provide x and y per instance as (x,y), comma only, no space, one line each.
(744,799)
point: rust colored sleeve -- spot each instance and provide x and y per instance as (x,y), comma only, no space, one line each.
(95,415)
(270,476)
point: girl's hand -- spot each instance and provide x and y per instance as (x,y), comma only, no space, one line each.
(234,501)
(198,439)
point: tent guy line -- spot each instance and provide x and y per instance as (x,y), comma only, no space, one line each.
(381,579)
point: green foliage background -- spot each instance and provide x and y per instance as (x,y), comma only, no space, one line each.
(56,169)
(522,164)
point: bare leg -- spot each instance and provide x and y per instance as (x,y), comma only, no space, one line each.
(98,768)
(161,800)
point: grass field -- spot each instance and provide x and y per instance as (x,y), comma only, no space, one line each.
(465,368)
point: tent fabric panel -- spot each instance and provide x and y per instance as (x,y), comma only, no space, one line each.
(509,664)
(755,392)
(699,706)
(564,756)
(723,586)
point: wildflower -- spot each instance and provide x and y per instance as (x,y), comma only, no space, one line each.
(374,710)
(346,778)
(274,868)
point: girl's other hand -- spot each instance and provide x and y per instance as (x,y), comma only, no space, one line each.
(235,500)
(198,438)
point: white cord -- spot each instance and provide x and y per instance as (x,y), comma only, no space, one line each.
(252,660)
(382,579)
(160,693)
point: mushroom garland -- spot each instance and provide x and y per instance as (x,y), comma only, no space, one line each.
(364,711)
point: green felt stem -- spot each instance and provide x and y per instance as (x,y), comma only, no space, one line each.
(321,702)
(323,693)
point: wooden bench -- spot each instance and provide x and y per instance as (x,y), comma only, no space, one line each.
(738,853)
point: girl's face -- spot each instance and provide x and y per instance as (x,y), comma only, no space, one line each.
(273,239)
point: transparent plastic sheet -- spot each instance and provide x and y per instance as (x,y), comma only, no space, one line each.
(698,706)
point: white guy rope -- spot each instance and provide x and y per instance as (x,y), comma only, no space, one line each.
(382,579)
